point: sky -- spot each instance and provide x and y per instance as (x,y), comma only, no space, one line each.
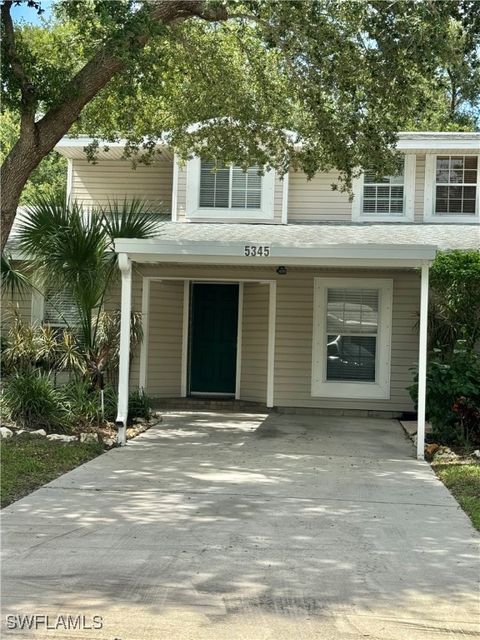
(28,14)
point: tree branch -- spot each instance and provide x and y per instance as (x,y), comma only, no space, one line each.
(26,87)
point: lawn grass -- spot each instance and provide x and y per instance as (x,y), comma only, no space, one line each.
(30,462)
(463,480)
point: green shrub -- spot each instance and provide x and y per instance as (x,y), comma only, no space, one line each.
(139,405)
(454,298)
(31,400)
(453,395)
(85,405)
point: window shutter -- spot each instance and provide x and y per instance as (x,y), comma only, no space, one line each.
(60,308)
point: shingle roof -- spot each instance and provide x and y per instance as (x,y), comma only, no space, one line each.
(445,236)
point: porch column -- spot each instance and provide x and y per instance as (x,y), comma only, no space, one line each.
(272,313)
(125,266)
(422,361)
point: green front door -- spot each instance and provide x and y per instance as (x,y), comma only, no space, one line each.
(213,342)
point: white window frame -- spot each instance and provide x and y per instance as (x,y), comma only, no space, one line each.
(408,196)
(380,388)
(194,211)
(430,192)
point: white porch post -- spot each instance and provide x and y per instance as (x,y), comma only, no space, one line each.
(272,313)
(125,266)
(422,361)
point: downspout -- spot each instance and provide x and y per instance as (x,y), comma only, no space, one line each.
(125,266)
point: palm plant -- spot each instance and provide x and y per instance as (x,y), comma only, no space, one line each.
(73,248)
(14,278)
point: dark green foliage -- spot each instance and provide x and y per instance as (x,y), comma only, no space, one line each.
(139,405)
(31,400)
(455,299)
(453,395)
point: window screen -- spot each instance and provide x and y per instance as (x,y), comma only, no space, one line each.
(352,326)
(230,187)
(384,196)
(456,185)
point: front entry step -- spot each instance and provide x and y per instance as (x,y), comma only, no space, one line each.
(209,404)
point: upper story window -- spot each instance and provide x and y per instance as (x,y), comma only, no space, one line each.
(383,196)
(229,193)
(388,198)
(456,185)
(230,187)
(452,186)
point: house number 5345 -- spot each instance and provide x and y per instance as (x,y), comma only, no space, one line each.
(257,250)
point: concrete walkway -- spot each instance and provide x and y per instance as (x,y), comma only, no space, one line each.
(247,527)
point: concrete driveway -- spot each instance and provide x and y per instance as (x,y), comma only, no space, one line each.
(247,527)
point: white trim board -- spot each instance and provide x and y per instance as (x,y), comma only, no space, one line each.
(199,251)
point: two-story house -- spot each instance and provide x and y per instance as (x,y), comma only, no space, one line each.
(277,289)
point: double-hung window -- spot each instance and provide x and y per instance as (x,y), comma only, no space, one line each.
(228,192)
(452,186)
(456,185)
(351,345)
(385,198)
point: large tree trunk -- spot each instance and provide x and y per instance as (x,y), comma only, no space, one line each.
(38,139)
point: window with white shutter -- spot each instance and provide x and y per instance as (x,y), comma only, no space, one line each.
(351,338)
(387,198)
(230,187)
(383,196)
(226,194)
(60,309)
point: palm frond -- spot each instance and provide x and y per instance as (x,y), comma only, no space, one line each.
(14,279)
(131,219)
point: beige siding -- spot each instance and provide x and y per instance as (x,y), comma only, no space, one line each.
(182,199)
(253,381)
(293,349)
(164,350)
(117,179)
(294,341)
(315,201)
(419,188)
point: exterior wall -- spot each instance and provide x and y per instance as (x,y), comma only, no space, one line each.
(293,344)
(253,380)
(315,201)
(164,348)
(97,184)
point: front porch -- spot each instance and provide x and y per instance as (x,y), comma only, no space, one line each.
(280,347)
